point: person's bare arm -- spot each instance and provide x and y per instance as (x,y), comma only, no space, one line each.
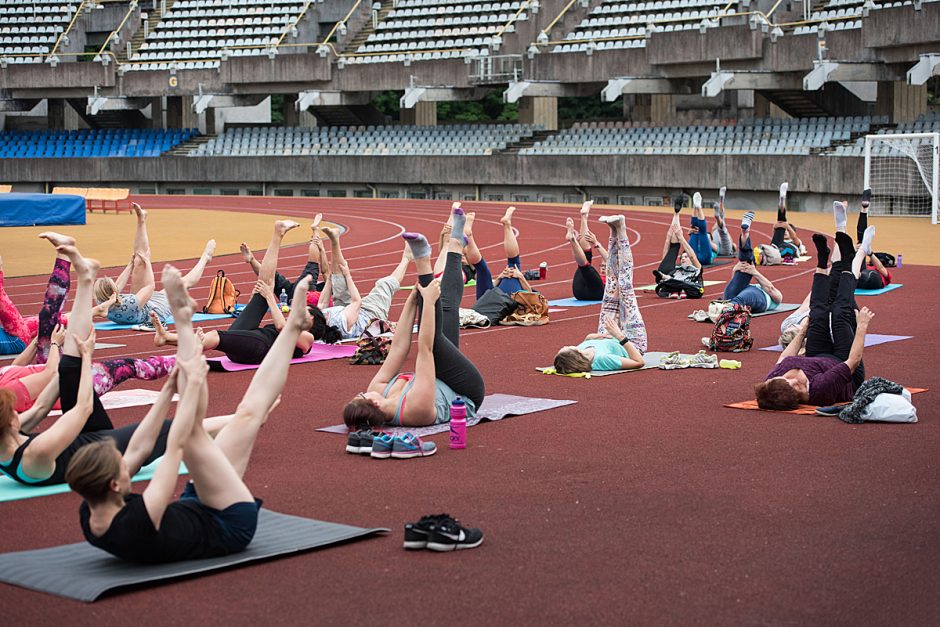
(879,267)
(101,310)
(793,348)
(863,316)
(401,345)
(793,236)
(517,273)
(420,409)
(27,356)
(32,417)
(147,432)
(765,283)
(143,294)
(687,247)
(121,282)
(267,293)
(327,292)
(351,312)
(635,359)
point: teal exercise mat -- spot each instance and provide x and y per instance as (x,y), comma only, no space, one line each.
(99,346)
(781,308)
(651,359)
(572,302)
(494,407)
(10,490)
(884,290)
(197,317)
(83,573)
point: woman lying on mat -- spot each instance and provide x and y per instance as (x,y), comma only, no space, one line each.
(761,297)
(874,276)
(832,369)
(680,273)
(587,283)
(216,514)
(316,259)
(245,342)
(136,307)
(18,331)
(27,381)
(41,459)
(442,372)
(721,242)
(699,238)
(621,339)
(509,280)
(353,318)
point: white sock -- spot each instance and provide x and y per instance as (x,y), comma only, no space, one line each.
(838,210)
(783,191)
(697,200)
(867,239)
(746,220)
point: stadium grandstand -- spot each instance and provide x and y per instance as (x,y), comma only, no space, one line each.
(540,95)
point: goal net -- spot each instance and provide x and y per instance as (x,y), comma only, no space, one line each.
(902,172)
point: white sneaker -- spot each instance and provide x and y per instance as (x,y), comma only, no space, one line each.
(703,360)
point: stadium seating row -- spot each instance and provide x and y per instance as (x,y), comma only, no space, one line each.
(91,143)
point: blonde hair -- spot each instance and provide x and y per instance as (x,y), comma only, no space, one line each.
(568,361)
(104,288)
(788,335)
(92,469)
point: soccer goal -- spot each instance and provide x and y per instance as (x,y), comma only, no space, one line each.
(902,172)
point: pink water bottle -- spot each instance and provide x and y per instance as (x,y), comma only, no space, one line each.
(458,423)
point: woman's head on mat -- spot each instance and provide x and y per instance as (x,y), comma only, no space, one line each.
(367,409)
(785,392)
(571,359)
(321,330)
(788,334)
(97,472)
(105,287)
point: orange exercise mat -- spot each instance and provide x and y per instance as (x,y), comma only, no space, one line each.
(803,410)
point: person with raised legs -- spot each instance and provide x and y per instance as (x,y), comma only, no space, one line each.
(721,242)
(587,283)
(679,274)
(245,341)
(510,279)
(136,307)
(757,298)
(621,337)
(832,368)
(442,371)
(316,261)
(699,238)
(216,514)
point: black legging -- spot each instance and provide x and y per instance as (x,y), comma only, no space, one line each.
(832,321)
(311,268)
(450,365)
(244,342)
(668,264)
(587,283)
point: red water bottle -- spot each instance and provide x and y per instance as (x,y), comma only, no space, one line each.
(458,423)
(543,270)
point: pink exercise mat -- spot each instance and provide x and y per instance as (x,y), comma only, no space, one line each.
(319,352)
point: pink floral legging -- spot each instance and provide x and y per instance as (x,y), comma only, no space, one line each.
(41,326)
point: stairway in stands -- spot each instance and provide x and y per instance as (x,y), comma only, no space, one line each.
(365,31)
(527,142)
(186,147)
(154,15)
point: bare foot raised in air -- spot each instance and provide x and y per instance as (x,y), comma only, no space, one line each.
(468,225)
(586,208)
(247,255)
(139,212)
(333,234)
(281,227)
(57,239)
(84,268)
(176,290)
(159,331)
(406,254)
(507,217)
(572,234)
(317,219)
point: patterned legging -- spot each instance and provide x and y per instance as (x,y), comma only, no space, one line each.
(110,373)
(619,297)
(50,315)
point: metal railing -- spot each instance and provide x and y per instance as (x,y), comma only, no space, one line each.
(65,33)
(117,31)
(495,69)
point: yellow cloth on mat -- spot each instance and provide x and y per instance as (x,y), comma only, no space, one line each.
(577,375)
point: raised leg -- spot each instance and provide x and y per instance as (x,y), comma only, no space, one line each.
(621,299)
(577,249)
(510,243)
(192,277)
(52,304)
(110,373)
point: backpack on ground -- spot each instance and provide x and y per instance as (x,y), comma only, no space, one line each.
(373,344)
(222,295)
(732,332)
(768,255)
(531,310)
(887,260)
(691,289)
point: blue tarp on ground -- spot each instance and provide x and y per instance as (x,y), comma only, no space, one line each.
(41,209)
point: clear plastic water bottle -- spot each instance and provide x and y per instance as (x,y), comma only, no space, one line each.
(283,300)
(458,424)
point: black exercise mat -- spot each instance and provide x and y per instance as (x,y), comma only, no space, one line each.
(82,572)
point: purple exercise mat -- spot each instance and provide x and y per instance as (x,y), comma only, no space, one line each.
(872,339)
(319,352)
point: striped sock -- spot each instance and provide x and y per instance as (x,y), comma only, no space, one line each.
(746,220)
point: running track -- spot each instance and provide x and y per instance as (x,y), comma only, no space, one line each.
(647,502)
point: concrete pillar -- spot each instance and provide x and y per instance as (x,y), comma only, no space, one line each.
(764,108)
(307,120)
(423,114)
(55,113)
(291,116)
(210,122)
(179,112)
(156,113)
(901,102)
(662,108)
(539,110)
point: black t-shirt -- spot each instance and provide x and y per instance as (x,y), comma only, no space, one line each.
(270,333)
(187,531)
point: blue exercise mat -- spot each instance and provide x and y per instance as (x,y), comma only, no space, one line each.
(197,317)
(883,290)
(572,302)
(10,490)
(41,209)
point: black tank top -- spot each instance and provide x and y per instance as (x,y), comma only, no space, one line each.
(12,469)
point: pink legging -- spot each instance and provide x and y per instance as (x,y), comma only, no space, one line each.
(50,315)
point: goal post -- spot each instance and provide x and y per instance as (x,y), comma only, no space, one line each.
(902,171)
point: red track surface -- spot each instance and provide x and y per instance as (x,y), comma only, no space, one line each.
(647,502)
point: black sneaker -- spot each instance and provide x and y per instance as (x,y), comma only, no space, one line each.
(360,442)
(416,534)
(866,197)
(448,535)
(833,410)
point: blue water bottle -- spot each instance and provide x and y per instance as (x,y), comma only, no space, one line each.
(458,424)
